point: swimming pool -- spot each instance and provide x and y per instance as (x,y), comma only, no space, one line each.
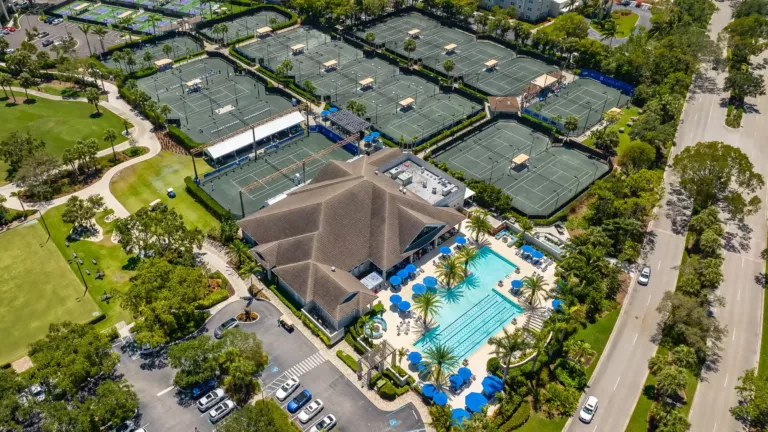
(473,311)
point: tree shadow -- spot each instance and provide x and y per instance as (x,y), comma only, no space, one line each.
(650,244)
(96,115)
(703,83)
(761,279)
(453,295)
(649,391)
(29,101)
(132,263)
(678,210)
(751,108)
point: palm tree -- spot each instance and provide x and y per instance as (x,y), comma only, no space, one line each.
(110,136)
(168,49)
(147,57)
(450,272)
(577,350)
(93,96)
(6,80)
(17,195)
(427,305)
(506,345)
(154,19)
(571,125)
(448,66)
(534,286)
(478,224)
(409,46)
(526,226)
(126,125)
(370,37)
(400,354)
(570,317)
(100,32)
(239,250)
(609,30)
(165,111)
(538,343)
(26,81)
(441,361)
(465,255)
(86,28)
(127,22)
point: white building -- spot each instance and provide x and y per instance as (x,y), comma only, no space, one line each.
(531,10)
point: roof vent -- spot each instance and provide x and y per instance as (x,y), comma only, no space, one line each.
(376,172)
(333,269)
(404,191)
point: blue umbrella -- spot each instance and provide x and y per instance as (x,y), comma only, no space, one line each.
(459,415)
(428,390)
(333,109)
(325,113)
(557,304)
(461,240)
(419,289)
(456,381)
(414,357)
(402,274)
(491,386)
(395,280)
(422,368)
(410,268)
(404,306)
(537,254)
(464,373)
(440,398)
(367,138)
(475,402)
(375,134)
(445,250)
(430,281)
(395,298)
(527,248)
(517,284)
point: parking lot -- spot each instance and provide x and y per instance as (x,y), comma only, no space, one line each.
(58,32)
(290,355)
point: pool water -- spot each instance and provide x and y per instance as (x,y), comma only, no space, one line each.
(473,311)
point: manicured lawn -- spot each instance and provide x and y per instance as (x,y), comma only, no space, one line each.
(59,123)
(537,423)
(639,420)
(624,139)
(763,365)
(597,335)
(624,23)
(37,289)
(140,184)
(110,259)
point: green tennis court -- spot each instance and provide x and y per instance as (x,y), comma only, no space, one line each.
(210,100)
(224,187)
(180,46)
(244,25)
(551,178)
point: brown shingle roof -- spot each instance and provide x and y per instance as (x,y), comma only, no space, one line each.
(345,217)
(507,104)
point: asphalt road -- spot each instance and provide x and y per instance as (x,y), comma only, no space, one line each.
(623,368)
(291,354)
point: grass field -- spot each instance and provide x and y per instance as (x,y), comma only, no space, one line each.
(38,289)
(538,423)
(59,123)
(624,23)
(624,139)
(763,365)
(597,335)
(140,184)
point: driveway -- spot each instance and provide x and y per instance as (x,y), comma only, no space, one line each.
(291,355)
(58,32)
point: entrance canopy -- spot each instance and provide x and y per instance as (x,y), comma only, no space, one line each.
(544,81)
(297,48)
(246,139)
(366,82)
(414,33)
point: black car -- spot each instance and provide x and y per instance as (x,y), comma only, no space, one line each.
(47,42)
(49,20)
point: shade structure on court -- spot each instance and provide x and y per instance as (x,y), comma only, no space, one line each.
(456,381)
(246,139)
(402,274)
(428,390)
(404,306)
(459,415)
(557,304)
(395,298)
(410,268)
(440,398)
(461,240)
(414,356)
(464,373)
(492,385)
(419,289)
(445,250)
(430,281)
(527,249)
(395,280)
(475,402)
(517,284)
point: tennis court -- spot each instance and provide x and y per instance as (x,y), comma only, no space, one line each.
(436,43)
(552,177)
(245,25)
(224,187)
(109,14)
(218,103)
(180,46)
(584,98)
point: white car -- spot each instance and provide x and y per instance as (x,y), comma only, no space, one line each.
(57,21)
(286,389)
(588,410)
(325,424)
(206,402)
(645,276)
(311,410)
(221,410)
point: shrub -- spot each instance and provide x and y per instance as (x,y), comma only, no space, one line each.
(493,366)
(236,54)
(538,125)
(112,333)
(388,392)
(347,359)
(374,379)
(294,309)
(570,374)
(212,299)
(142,73)
(450,132)
(97,319)
(202,197)
(355,344)
(519,418)
(181,138)
(218,275)
(378,309)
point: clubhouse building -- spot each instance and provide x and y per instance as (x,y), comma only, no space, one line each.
(333,242)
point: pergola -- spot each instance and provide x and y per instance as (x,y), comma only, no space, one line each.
(520,159)
(261,31)
(414,33)
(330,64)
(407,102)
(365,83)
(491,64)
(298,48)
(450,48)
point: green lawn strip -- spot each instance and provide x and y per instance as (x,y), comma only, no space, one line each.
(37,289)
(624,139)
(763,365)
(110,259)
(539,423)
(638,422)
(597,335)
(138,185)
(59,123)
(624,24)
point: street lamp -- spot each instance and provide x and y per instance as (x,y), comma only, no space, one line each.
(493,165)
(77,262)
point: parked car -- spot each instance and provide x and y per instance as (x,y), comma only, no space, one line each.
(10,51)
(37,392)
(57,21)
(10,28)
(286,389)
(49,19)
(206,402)
(588,410)
(43,35)
(560,228)
(311,410)
(299,401)
(47,42)
(198,390)
(645,276)
(325,424)
(6,32)
(226,325)
(221,410)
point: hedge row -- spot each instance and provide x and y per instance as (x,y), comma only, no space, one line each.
(518,419)
(450,132)
(539,125)
(288,82)
(127,44)
(202,198)
(182,138)
(212,299)
(287,13)
(316,331)
(234,53)
(347,359)
(97,319)
(355,344)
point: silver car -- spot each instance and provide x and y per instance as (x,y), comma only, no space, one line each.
(311,410)
(325,424)
(206,402)
(287,388)
(221,410)
(645,276)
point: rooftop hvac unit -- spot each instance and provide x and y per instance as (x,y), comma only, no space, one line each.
(424,184)
(434,191)
(447,191)
(406,178)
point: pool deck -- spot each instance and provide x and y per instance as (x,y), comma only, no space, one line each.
(478,359)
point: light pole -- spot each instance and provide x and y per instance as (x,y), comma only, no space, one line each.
(589,103)
(81,274)
(493,165)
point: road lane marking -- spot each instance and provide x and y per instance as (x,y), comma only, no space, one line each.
(649,300)
(635,340)
(414,414)
(734,334)
(166,391)
(617,383)
(738,296)
(658,266)
(726,380)
(714,428)
(742,262)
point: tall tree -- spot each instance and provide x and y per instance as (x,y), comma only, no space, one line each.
(93,97)
(450,272)
(534,286)
(86,28)
(427,305)
(441,361)
(752,409)
(478,224)
(159,232)
(409,46)
(506,345)
(465,256)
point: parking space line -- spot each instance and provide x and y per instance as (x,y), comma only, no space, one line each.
(166,390)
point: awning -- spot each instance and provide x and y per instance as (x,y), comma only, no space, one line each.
(544,81)
(194,82)
(245,139)
(414,32)
(372,281)
(491,63)
(297,47)
(329,64)
(366,82)
(263,30)
(450,47)
(407,102)
(163,62)
(520,159)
